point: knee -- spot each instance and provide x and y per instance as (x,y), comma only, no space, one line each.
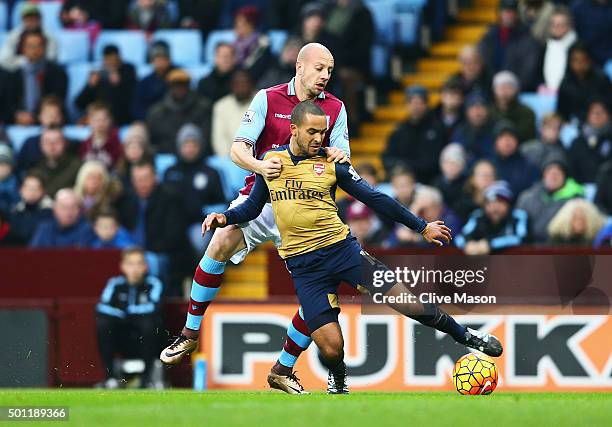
(332,351)
(221,247)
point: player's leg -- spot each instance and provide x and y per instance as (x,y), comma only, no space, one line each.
(329,340)
(204,288)
(297,341)
(427,314)
(229,243)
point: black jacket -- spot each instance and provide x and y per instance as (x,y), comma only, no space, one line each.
(418,146)
(603,198)
(120,299)
(586,158)
(575,95)
(215,85)
(119,97)
(197,184)
(165,227)
(54,82)
(522,55)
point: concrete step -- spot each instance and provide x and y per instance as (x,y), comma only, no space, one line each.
(432,65)
(399,98)
(446,49)
(431,81)
(246,274)
(478,16)
(377,129)
(371,146)
(466,33)
(256,291)
(486,3)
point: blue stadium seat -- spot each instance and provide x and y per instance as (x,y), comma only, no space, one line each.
(569,132)
(78,74)
(608,68)
(162,162)
(380,60)
(18,135)
(50,11)
(214,38)
(540,104)
(185,45)
(122,131)
(383,15)
(143,71)
(73,46)
(132,45)
(77,132)
(278,38)
(197,72)
(232,176)
(16,14)
(3,16)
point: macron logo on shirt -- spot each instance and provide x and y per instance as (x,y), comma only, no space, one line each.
(282,116)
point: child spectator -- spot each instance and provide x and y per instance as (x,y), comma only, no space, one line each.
(128,316)
(33,208)
(103,144)
(109,234)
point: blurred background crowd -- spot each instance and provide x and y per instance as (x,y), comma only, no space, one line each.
(118,116)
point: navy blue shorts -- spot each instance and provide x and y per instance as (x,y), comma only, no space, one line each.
(317,275)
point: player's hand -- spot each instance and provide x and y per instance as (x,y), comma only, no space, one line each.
(336,155)
(270,168)
(438,233)
(212,221)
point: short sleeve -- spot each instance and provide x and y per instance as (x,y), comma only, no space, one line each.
(254,119)
(339,136)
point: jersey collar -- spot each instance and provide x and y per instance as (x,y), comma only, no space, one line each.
(291,89)
(296,159)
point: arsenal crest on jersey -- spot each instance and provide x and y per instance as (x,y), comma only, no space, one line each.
(319,168)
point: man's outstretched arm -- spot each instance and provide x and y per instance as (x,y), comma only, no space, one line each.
(434,232)
(244,212)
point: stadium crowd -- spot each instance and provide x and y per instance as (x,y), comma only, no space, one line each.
(480,160)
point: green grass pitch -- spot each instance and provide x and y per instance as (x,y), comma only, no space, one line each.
(270,409)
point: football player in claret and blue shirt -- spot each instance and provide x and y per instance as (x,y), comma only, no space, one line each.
(320,251)
(265,126)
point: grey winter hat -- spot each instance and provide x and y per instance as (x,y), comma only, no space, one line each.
(188,132)
(6,154)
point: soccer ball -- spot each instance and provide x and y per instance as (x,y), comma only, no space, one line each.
(475,374)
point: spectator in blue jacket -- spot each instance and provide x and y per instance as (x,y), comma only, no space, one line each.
(593,21)
(9,194)
(153,87)
(128,316)
(33,208)
(495,227)
(510,164)
(67,228)
(109,233)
